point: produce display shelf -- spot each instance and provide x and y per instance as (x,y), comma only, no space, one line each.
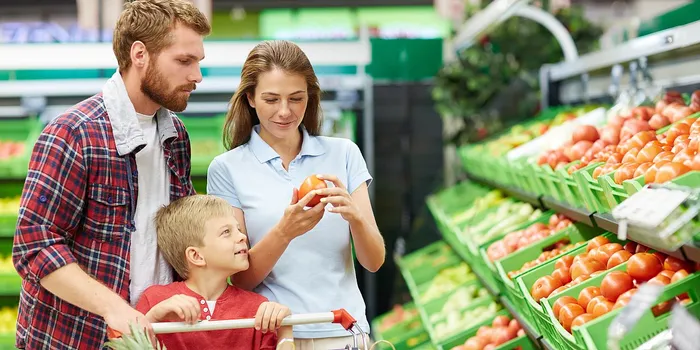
(546,345)
(579,214)
(456,246)
(603,221)
(536,337)
(512,191)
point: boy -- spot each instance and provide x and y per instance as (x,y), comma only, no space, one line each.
(200,238)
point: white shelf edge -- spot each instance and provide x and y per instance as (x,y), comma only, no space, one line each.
(646,46)
(218,54)
(88,87)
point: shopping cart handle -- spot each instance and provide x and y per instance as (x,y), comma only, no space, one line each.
(344,319)
(340,316)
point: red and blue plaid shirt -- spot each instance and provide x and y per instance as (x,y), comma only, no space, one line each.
(78,206)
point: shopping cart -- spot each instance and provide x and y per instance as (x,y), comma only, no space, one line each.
(340,316)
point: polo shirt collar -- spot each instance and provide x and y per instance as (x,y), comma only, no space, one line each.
(310,146)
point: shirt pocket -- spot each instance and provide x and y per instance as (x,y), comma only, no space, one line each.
(107,212)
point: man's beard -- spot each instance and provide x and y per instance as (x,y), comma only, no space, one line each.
(155,86)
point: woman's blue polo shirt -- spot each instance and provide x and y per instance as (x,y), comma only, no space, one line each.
(316,273)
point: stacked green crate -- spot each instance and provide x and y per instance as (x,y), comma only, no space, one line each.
(17,138)
(400,327)
(205,137)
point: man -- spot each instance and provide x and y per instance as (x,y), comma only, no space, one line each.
(85,245)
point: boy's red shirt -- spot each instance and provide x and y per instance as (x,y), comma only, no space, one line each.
(234,303)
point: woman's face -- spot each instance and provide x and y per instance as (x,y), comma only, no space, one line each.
(280,100)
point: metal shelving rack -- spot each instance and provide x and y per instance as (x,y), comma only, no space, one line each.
(673,60)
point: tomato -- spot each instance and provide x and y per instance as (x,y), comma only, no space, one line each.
(604,252)
(561,289)
(631,156)
(641,249)
(643,266)
(474,343)
(500,321)
(586,294)
(675,264)
(586,267)
(602,308)
(661,308)
(675,131)
(579,257)
(615,284)
(618,258)
(581,319)
(661,256)
(562,275)
(514,325)
(666,273)
(679,275)
(568,313)
(649,152)
(544,286)
(586,133)
(580,279)
(556,307)
(631,247)
(312,183)
(564,261)
(596,242)
(625,298)
(642,169)
(660,280)
(593,302)
(670,171)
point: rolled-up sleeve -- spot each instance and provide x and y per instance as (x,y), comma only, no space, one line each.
(52,204)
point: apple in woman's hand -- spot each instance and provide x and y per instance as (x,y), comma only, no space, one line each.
(312,183)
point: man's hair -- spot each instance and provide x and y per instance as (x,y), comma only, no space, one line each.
(182,224)
(151,22)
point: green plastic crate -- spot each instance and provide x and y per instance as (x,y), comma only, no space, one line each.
(26,131)
(593,194)
(523,341)
(406,334)
(593,335)
(10,284)
(484,302)
(576,233)
(534,311)
(205,138)
(571,191)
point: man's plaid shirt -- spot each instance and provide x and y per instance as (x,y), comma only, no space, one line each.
(78,206)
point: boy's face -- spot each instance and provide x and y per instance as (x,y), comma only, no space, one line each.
(225,247)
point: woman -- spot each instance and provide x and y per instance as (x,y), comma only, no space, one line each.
(300,257)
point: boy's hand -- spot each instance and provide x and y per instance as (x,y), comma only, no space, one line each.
(179,307)
(269,316)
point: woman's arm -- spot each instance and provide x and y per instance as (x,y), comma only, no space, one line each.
(369,243)
(356,209)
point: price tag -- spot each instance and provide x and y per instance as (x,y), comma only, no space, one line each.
(649,207)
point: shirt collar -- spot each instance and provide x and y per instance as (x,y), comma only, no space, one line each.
(310,146)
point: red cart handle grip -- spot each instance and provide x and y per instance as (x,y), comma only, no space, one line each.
(344,319)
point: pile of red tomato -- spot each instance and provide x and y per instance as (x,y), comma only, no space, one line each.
(616,288)
(520,239)
(628,143)
(502,330)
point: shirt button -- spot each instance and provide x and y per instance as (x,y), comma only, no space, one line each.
(42,199)
(208,318)
(206,310)
(202,302)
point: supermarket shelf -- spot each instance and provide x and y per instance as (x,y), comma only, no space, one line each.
(546,345)
(646,46)
(603,221)
(534,336)
(578,214)
(512,192)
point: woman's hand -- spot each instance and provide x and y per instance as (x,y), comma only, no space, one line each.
(297,220)
(339,198)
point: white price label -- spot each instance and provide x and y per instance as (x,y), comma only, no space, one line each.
(649,207)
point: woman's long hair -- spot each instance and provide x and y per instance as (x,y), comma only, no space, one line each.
(265,57)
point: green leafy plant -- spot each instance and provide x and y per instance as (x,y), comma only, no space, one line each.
(137,340)
(494,83)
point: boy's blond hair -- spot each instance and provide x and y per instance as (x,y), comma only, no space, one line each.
(151,22)
(182,224)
